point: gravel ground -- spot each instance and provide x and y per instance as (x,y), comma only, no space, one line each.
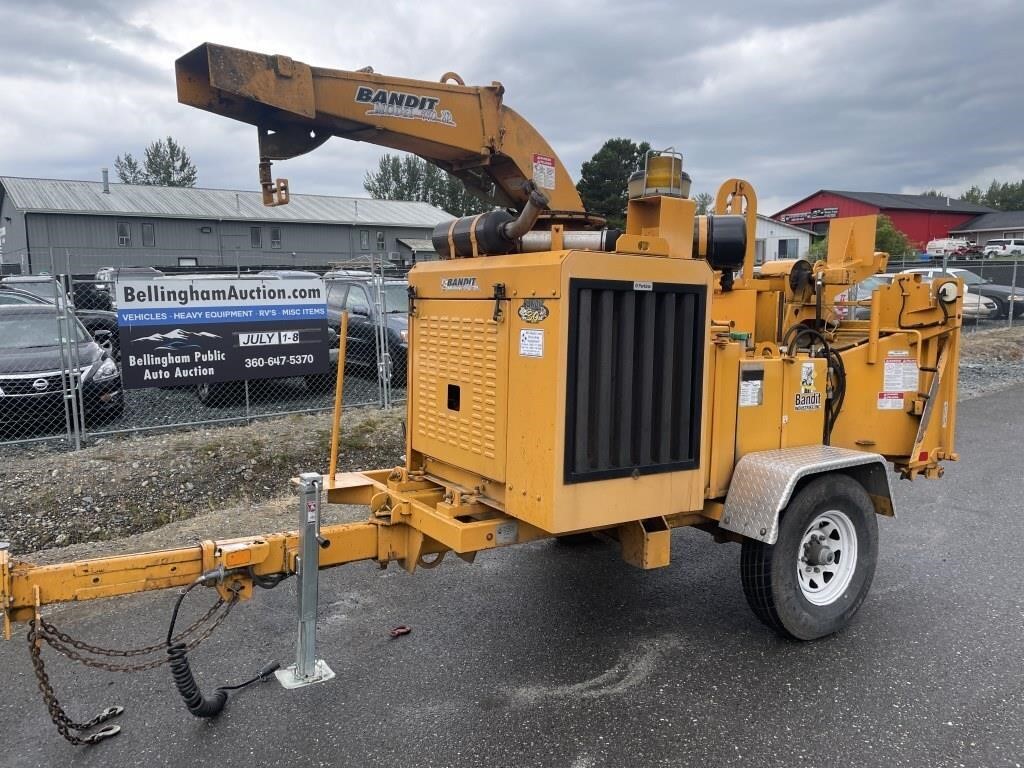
(228,481)
(991,360)
(124,486)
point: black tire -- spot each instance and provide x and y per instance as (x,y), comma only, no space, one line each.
(778,594)
(1002,309)
(219,394)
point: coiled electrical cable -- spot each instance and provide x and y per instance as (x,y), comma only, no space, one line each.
(177,652)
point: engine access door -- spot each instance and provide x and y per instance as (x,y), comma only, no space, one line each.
(458,384)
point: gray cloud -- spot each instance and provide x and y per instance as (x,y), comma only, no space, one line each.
(896,95)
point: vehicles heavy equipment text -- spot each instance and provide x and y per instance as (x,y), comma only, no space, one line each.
(565,379)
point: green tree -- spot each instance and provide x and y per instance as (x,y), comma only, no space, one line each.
(165,164)
(705,202)
(409,177)
(1001,195)
(819,249)
(973,195)
(890,239)
(604,178)
(128,170)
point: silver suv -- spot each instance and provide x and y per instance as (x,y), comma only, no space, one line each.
(1004,247)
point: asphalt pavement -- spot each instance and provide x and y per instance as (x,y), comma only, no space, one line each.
(554,656)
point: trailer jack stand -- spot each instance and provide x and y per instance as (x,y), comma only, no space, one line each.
(307,669)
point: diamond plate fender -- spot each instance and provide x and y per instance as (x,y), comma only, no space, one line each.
(764,481)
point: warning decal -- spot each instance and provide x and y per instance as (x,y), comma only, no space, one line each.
(544,171)
(900,373)
(751,384)
(890,401)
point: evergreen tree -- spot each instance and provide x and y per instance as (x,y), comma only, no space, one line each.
(165,164)
(604,178)
(411,178)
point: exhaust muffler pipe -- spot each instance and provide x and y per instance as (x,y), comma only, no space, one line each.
(491,233)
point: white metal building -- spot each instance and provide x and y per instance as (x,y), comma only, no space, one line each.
(53,225)
(776,240)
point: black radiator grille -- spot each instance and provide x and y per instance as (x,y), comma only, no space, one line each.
(633,384)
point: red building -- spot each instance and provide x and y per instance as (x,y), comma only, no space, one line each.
(920,217)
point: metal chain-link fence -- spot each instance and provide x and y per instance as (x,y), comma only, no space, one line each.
(61,360)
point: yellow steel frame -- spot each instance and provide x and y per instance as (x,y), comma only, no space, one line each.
(411,519)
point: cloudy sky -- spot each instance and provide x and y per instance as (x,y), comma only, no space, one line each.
(897,95)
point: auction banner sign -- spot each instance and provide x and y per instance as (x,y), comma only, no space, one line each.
(181,331)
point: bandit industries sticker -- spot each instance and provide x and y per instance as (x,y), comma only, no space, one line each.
(179,331)
(807,399)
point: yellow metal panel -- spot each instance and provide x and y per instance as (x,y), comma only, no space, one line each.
(460,348)
(803,401)
(876,414)
(739,306)
(723,419)
(769,314)
(522,274)
(533,411)
(759,406)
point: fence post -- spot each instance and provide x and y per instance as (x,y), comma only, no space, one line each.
(1013,291)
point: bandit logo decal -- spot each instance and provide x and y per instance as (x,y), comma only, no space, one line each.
(408,106)
(459,284)
(807,399)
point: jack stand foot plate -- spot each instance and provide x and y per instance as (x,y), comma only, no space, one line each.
(288,679)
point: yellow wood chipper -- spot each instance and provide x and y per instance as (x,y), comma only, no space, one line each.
(565,379)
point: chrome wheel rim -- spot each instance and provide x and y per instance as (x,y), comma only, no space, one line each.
(827,558)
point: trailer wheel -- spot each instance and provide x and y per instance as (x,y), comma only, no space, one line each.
(811,582)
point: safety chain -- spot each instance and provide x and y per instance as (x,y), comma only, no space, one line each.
(41,631)
(65,725)
(63,643)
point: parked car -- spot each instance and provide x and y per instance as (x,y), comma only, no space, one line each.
(38,345)
(862,292)
(287,274)
(980,286)
(85,295)
(357,294)
(105,276)
(1004,247)
(975,307)
(101,324)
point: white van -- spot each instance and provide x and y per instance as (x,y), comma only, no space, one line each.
(947,246)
